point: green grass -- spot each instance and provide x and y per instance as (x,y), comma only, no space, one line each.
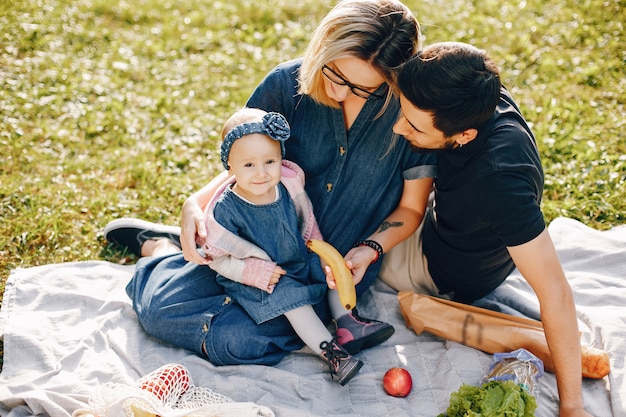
(112,108)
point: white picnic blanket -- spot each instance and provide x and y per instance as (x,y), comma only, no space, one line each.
(69,328)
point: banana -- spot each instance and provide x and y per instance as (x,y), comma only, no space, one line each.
(343,276)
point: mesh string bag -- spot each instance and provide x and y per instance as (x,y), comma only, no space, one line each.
(166,392)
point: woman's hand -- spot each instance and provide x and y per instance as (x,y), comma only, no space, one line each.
(360,258)
(357,261)
(192,225)
(330,278)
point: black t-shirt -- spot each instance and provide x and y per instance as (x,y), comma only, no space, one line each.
(487,197)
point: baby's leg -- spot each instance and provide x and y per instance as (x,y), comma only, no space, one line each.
(343,367)
(309,327)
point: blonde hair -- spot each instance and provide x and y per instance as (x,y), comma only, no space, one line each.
(383,33)
(243,115)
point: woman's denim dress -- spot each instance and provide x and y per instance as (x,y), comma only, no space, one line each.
(354,179)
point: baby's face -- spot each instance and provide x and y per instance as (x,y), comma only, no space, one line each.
(255,161)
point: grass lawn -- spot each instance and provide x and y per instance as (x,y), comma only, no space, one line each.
(112,108)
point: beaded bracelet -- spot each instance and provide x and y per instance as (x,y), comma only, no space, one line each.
(374,245)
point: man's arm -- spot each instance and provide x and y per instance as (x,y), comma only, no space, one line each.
(538,262)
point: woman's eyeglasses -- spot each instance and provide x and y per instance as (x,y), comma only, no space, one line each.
(339,80)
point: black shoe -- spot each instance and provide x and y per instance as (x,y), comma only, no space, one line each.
(133,233)
(342,366)
(355,333)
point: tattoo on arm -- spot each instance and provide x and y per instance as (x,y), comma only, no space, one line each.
(386,225)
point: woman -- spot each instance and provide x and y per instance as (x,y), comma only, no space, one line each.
(368,191)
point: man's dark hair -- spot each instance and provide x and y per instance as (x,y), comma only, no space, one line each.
(458,83)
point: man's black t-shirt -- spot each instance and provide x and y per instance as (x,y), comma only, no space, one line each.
(487,197)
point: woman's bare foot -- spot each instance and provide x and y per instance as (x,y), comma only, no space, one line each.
(158,247)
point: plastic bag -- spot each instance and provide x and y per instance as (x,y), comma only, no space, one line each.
(519,366)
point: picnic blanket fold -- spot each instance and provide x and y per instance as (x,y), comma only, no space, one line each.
(69,328)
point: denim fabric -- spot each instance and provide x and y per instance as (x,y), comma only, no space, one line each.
(509,300)
(354,178)
(273,228)
(234,339)
(181,303)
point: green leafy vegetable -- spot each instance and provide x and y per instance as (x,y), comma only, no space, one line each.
(493,399)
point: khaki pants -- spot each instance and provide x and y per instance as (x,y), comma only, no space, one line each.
(405,267)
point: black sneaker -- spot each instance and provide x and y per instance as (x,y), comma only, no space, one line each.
(355,333)
(132,233)
(341,364)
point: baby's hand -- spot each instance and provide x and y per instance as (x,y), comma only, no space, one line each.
(276,275)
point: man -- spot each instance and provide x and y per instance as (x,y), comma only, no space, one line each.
(486,218)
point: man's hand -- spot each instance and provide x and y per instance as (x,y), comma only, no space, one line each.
(573,412)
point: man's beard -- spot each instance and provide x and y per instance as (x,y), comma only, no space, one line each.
(446,147)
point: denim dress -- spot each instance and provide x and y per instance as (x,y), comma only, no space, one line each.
(354,179)
(274,228)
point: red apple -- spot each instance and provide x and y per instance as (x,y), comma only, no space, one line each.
(397,382)
(167,381)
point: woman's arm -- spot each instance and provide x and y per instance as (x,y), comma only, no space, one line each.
(192,222)
(398,226)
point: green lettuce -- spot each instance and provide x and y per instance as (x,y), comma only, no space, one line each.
(492,399)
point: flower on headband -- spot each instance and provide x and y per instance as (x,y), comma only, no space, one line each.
(272,124)
(277,126)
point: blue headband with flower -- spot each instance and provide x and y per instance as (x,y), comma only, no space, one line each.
(273,125)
